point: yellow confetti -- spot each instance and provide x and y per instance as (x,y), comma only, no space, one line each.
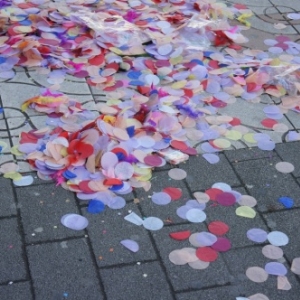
(15,151)
(242,18)
(13,175)
(249,137)
(246,212)
(233,135)
(176,60)
(222,143)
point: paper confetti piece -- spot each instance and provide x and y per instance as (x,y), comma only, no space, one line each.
(257,274)
(131,245)
(246,212)
(180,235)
(283,283)
(296,266)
(74,221)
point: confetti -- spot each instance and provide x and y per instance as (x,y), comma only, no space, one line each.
(74,221)
(257,274)
(278,238)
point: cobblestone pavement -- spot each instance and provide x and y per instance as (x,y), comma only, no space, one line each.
(42,260)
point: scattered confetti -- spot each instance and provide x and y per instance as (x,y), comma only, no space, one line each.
(296,266)
(246,212)
(272,252)
(286,202)
(275,268)
(74,221)
(278,238)
(257,274)
(131,245)
(257,235)
(180,235)
(283,283)
(153,223)
(284,167)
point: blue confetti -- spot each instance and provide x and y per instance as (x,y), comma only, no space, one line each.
(116,187)
(69,175)
(42,147)
(134,74)
(95,207)
(120,156)
(198,61)
(25,22)
(137,83)
(2,59)
(130,131)
(208,53)
(286,202)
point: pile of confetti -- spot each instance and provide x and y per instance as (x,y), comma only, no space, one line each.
(166,81)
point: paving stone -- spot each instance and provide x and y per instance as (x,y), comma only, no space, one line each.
(266,184)
(184,277)
(240,260)
(71,85)
(287,152)
(11,254)
(7,199)
(70,272)
(145,282)
(239,226)
(108,229)
(248,153)
(3,129)
(160,181)
(201,174)
(42,207)
(216,293)
(285,221)
(16,291)
(290,3)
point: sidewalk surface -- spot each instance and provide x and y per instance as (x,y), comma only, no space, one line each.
(41,259)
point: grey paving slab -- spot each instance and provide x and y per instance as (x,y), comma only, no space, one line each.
(248,153)
(289,153)
(70,275)
(239,226)
(224,292)
(201,174)
(7,199)
(266,184)
(3,128)
(285,221)
(293,4)
(167,213)
(11,253)
(252,3)
(184,277)
(108,229)
(252,257)
(16,291)
(146,282)
(14,94)
(294,117)
(42,207)
(73,86)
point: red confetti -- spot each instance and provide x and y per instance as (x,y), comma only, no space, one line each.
(218,228)
(206,254)
(269,123)
(174,193)
(213,193)
(180,235)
